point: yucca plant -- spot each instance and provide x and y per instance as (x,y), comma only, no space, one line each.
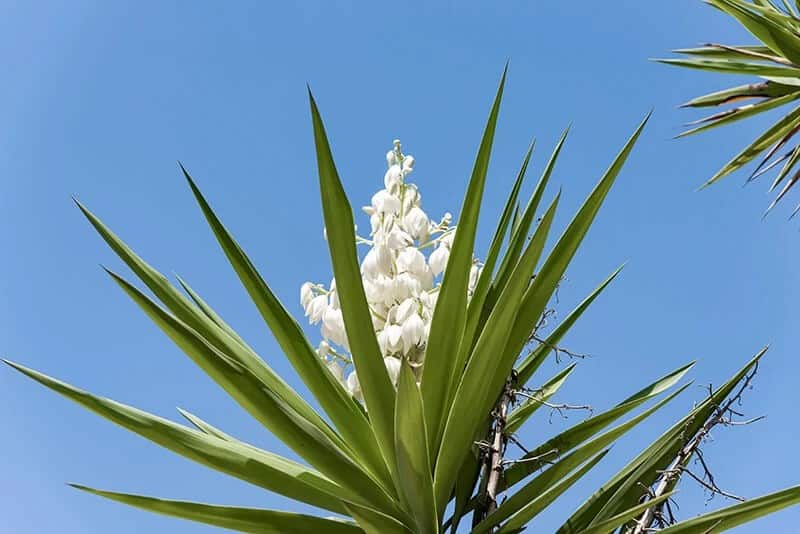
(414,439)
(775,61)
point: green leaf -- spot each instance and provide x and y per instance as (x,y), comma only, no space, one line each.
(742,92)
(544,284)
(530,405)
(210,313)
(413,460)
(738,514)
(734,67)
(337,403)
(612,523)
(543,500)
(374,522)
(195,319)
(765,28)
(476,389)
(449,317)
(257,467)
(790,163)
(476,304)
(520,234)
(465,484)
(205,427)
(736,114)
(783,128)
(531,363)
(556,470)
(377,388)
(577,434)
(643,470)
(230,517)
(278,416)
(727,52)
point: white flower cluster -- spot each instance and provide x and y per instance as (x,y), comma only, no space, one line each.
(400,282)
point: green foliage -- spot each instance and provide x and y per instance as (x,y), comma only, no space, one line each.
(776,62)
(406,458)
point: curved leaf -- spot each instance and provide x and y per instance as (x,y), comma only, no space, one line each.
(254,520)
(413,461)
(449,316)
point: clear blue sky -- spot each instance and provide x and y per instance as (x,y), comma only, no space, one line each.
(99,100)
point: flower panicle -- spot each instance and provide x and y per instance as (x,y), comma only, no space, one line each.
(401,283)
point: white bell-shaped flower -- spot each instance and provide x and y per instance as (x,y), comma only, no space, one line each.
(406,285)
(404,310)
(411,197)
(416,221)
(383,342)
(354,386)
(333,326)
(411,260)
(385,202)
(378,261)
(398,238)
(394,338)
(316,307)
(392,368)
(393,178)
(336,370)
(413,332)
(323,349)
(474,275)
(438,259)
(306,293)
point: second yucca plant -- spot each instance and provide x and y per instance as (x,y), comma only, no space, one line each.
(422,380)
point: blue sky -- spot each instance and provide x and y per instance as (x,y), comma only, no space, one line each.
(99,100)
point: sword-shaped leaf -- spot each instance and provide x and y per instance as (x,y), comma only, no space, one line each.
(413,460)
(332,397)
(612,523)
(531,363)
(577,434)
(476,304)
(535,401)
(547,278)
(737,514)
(643,470)
(377,388)
(475,389)
(264,404)
(253,520)
(544,499)
(257,467)
(199,322)
(450,314)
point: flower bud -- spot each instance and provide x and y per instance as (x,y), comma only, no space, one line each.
(408,164)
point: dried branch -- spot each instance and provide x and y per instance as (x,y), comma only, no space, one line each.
(722,415)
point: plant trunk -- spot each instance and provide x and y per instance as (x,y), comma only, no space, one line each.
(492,463)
